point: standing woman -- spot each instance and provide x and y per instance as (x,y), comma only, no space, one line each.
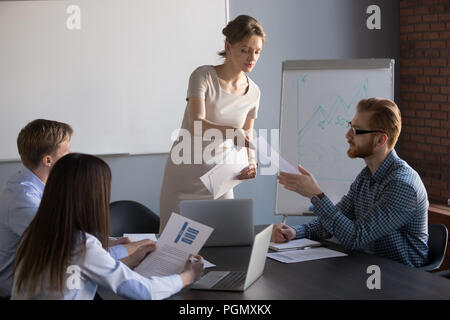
(219,97)
(62,254)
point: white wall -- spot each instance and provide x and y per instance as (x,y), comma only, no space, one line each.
(296,29)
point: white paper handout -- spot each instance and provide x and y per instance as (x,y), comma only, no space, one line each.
(140,236)
(274,158)
(181,237)
(222,177)
(305,255)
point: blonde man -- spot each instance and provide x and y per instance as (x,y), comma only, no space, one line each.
(40,144)
(385,212)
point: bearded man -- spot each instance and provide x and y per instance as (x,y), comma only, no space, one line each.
(385,212)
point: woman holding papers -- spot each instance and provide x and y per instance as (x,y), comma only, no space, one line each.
(222,103)
(62,253)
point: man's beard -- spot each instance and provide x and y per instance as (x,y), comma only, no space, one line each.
(360,152)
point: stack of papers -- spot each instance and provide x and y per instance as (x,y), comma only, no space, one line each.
(294,245)
(222,177)
(305,255)
(300,250)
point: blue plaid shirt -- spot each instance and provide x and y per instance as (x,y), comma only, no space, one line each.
(385,214)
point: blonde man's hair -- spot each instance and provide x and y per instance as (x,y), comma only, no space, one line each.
(385,116)
(40,138)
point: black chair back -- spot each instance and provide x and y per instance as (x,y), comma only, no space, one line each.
(445,274)
(437,245)
(132,217)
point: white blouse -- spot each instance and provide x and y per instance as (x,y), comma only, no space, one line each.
(221,106)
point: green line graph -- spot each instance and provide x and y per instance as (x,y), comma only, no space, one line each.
(326,126)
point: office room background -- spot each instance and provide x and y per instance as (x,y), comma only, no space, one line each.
(411,33)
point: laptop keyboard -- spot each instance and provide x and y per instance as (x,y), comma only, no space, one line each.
(234,280)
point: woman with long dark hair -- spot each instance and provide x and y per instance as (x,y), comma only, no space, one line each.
(62,253)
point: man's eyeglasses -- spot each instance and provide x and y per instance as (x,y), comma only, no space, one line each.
(359,131)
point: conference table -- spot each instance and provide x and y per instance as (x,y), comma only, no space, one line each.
(332,278)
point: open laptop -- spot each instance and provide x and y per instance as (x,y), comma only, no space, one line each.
(239,280)
(232,220)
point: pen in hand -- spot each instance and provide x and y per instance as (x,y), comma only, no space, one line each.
(285,238)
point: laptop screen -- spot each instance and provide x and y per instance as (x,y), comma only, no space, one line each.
(258,256)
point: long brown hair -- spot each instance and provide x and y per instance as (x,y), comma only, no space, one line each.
(75,201)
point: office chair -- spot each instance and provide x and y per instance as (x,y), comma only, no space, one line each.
(437,244)
(132,217)
(445,274)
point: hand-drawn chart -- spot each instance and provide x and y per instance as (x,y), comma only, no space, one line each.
(320,136)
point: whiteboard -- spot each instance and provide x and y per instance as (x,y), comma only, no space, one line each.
(318,97)
(120,80)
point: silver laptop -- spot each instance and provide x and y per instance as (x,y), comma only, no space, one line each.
(232,220)
(239,280)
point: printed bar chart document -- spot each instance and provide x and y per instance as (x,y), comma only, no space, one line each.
(152,236)
(181,237)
